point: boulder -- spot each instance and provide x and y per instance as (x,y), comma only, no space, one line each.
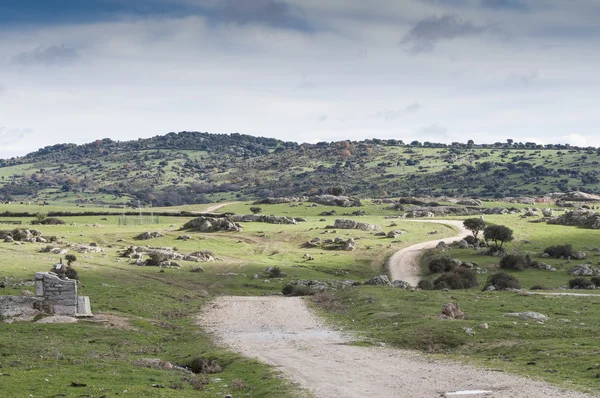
(579,255)
(547,212)
(262,218)
(452,311)
(332,200)
(212,224)
(536,316)
(381,280)
(584,270)
(463,244)
(470,202)
(343,223)
(442,246)
(148,236)
(394,234)
(496,210)
(401,284)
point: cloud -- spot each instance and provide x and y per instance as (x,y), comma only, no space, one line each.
(434,133)
(574,139)
(12,136)
(426,33)
(513,5)
(413,108)
(270,12)
(48,56)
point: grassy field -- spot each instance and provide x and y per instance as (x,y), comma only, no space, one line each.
(151,311)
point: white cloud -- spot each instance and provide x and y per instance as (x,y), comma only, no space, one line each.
(347,79)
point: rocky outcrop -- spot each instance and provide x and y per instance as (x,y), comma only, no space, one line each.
(332,200)
(577,196)
(148,235)
(277,201)
(137,252)
(528,315)
(401,284)
(470,202)
(547,212)
(24,235)
(344,223)
(578,218)
(212,224)
(263,218)
(585,270)
(381,280)
(522,200)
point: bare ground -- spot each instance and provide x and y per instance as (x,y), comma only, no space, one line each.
(283,332)
(404,264)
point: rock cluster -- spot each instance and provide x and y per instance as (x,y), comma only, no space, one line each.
(24,235)
(584,270)
(579,218)
(344,223)
(263,218)
(332,200)
(452,311)
(149,235)
(380,280)
(331,244)
(137,253)
(212,224)
(277,201)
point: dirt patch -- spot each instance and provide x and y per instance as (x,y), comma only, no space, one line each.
(283,332)
(113,321)
(404,264)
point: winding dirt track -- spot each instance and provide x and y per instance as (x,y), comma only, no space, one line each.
(283,332)
(404,264)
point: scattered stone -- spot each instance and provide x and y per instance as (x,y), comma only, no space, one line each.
(197,269)
(452,311)
(58,319)
(401,284)
(536,316)
(262,218)
(470,331)
(184,237)
(579,255)
(484,326)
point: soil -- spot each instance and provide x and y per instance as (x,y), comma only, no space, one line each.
(283,332)
(404,264)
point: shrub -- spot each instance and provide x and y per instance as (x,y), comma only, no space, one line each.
(514,262)
(502,281)
(71,258)
(596,280)
(71,273)
(328,302)
(425,284)
(537,287)
(559,251)
(296,291)
(274,272)
(156,258)
(440,264)
(471,240)
(580,283)
(458,278)
(498,234)
(48,221)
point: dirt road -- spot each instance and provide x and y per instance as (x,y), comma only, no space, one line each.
(285,333)
(404,264)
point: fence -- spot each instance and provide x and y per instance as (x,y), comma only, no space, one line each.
(138,220)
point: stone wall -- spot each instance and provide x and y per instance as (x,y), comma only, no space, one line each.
(53,296)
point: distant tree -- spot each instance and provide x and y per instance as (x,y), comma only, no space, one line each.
(71,258)
(498,233)
(475,225)
(470,144)
(255,209)
(337,191)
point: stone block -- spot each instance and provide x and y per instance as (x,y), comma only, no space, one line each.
(83,306)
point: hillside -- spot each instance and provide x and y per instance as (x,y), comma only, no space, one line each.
(193,167)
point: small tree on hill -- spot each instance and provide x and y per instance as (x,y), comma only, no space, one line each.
(255,210)
(498,234)
(475,225)
(71,258)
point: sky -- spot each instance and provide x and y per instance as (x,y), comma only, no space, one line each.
(299,70)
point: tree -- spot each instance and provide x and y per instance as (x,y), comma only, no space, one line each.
(336,191)
(71,258)
(255,209)
(475,225)
(498,233)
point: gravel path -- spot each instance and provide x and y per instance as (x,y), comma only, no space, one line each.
(404,264)
(283,332)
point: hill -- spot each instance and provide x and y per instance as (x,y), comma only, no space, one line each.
(193,167)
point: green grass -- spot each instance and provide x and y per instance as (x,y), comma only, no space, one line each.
(162,306)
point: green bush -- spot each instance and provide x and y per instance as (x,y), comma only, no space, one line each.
(296,291)
(440,264)
(537,287)
(458,278)
(502,281)
(425,284)
(558,251)
(596,281)
(580,283)
(514,262)
(48,221)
